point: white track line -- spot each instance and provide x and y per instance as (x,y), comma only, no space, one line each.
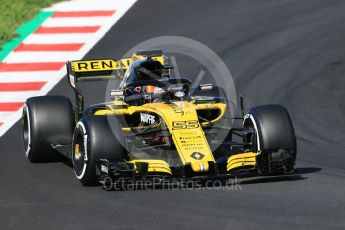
(72,21)
(59,38)
(5,116)
(47,56)
(27,76)
(92,5)
(16,96)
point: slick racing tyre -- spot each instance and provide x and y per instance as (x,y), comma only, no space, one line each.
(270,131)
(46,121)
(94,139)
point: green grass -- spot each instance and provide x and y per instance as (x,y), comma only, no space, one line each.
(15,12)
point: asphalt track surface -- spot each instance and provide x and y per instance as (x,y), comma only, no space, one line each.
(287,52)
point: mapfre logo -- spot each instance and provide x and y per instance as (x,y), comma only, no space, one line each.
(147,118)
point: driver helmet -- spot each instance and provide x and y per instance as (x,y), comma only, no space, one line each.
(147,69)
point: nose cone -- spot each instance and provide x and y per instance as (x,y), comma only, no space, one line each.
(200,166)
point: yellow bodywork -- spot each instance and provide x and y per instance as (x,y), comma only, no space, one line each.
(121,108)
(154,166)
(200,166)
(182,121)
(187,133)
(241,160)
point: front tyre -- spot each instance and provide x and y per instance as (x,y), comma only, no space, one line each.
(93,140)
(270,132)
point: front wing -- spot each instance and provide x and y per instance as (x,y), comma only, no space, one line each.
(148,169)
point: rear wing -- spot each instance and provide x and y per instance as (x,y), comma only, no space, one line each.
(94,70)
(105,69)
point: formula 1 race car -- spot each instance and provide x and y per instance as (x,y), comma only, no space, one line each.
(154,126)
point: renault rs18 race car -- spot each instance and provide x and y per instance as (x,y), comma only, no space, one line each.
(155,126)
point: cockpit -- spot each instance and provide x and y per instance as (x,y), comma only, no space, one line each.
(144,82)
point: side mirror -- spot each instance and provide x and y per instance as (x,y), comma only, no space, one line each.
(206,87)
(116,93)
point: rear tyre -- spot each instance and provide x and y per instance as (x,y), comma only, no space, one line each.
(46,121)
(95,139)
(270,131)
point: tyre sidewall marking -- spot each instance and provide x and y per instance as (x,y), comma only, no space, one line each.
(81,124)
(28,147)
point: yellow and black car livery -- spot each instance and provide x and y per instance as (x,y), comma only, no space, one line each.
(155,125)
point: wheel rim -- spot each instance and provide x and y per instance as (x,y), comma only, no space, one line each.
(250,124)
(79,157)
(253,139)
(26,131)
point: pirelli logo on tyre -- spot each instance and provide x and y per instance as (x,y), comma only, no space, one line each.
(193,124)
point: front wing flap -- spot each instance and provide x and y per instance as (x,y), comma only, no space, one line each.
(147,169)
